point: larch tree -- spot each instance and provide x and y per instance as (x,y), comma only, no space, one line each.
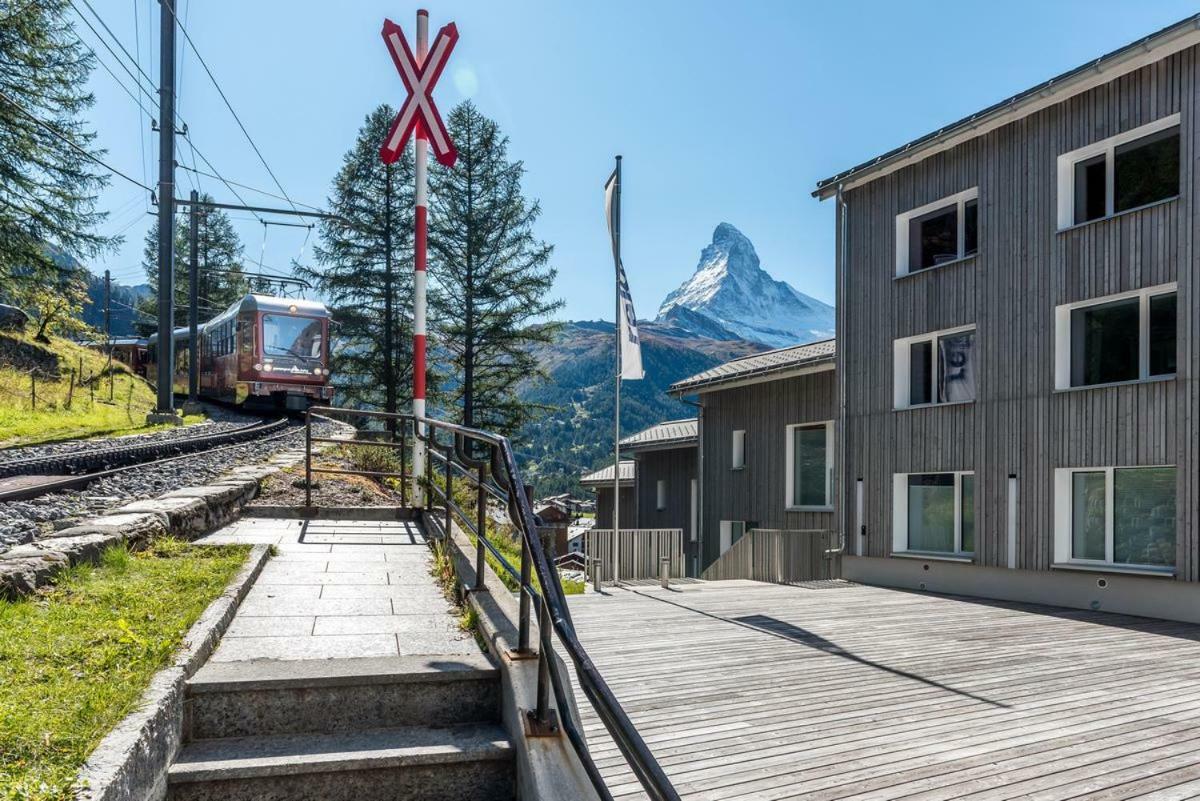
(220,256)
(49,176)
(364,270)
(492,275)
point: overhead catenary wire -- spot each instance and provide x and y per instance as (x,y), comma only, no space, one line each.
(187,37)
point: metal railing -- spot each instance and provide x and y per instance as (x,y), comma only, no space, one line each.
(779,556)
(641,553)
(487,463)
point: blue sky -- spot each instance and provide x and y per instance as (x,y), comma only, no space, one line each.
(723,111)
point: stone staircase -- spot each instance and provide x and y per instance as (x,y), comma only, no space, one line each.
(397,728)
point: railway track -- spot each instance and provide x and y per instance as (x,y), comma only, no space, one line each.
(23,479)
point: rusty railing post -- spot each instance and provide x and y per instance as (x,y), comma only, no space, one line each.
(449,480)
(428,494)
(542,713)
(480,528)
(403,464)
(308,457)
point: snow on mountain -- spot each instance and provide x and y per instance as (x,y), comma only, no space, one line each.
(734,293)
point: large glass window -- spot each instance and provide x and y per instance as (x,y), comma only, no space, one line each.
(1123,172)
(810,451)
(940,512)
(1123,515)
(935,368)
(297,337)
(1127,339)
(940,232)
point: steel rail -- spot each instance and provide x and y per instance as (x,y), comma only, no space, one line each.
(80,481)
(116,455)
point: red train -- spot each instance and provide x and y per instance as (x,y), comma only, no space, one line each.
(262,351)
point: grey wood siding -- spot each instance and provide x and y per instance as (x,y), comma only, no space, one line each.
(1025,267)
(757,492)
(677,467)
(604,507)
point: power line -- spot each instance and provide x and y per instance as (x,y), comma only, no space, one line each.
(219,177)
(249,188)
(137,44)
(170,7)
(67,141)
(113,35)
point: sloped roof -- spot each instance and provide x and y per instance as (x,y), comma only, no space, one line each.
(664,435)
(1110,66)
(605,474)
(759,365)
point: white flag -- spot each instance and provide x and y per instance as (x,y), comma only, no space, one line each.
(627,331)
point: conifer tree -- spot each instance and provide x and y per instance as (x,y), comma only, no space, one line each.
(221,267)
(48,187)
(493,276)
(365,271)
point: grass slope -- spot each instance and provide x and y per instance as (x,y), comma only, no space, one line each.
(62,411)
(76,659)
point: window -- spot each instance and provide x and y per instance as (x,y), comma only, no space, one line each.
(1120,338)
(1123,172)
(937,367)
(1115,516)
(660,495)
(934,513)
(809,471)
(739,449)
(943,231)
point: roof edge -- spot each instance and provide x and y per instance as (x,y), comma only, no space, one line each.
(1177,36)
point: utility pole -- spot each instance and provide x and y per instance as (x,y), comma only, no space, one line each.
(193,402)
(108,328)
(165,410)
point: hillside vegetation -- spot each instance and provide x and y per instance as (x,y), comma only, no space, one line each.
(61,390)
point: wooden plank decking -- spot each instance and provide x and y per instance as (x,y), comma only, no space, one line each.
(757,691)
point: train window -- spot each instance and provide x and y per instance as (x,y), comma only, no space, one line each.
(292,336)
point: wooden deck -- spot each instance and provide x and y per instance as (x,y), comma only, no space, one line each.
(756,691)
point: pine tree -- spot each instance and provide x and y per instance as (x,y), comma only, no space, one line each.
(48,187)
(222,281)
(493,277)
(365,271)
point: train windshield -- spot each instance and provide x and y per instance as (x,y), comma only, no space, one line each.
(299,337)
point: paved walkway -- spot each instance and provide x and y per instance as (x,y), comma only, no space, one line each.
(836,691)
(339,590)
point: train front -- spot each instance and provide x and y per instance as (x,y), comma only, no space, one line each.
(291,355)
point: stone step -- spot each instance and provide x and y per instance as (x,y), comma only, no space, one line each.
(272,697)
(456,763)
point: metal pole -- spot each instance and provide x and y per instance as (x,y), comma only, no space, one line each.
(166,208)
(193,300)
(480,528)
(308,457)
(664,572)
(108,328)
(419,239)
(617,397)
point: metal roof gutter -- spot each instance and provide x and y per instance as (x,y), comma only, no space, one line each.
(771,373)
(1133,56)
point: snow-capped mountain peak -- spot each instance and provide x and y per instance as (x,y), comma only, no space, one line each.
(730,288)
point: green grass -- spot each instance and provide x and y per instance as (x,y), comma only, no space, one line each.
(65,412)
(75,659)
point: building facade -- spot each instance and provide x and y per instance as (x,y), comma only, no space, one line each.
(601,482)
(1018,313)
(767,435)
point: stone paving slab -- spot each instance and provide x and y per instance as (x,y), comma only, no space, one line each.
(340,590)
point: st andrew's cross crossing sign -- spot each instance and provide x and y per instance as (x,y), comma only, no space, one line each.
(419,109)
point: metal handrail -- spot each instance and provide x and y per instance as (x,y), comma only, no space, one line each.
(550,604)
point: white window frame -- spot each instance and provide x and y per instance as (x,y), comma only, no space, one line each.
(1107,148)
(726,534)
(1062,335)
(902,364)
(660,494)
(900,515)
(738,454)
(790,470)
(959,199)
(1064,516)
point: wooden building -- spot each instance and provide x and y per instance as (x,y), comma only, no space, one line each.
(601,482)
(665,479)
(1018,328)
(766,445)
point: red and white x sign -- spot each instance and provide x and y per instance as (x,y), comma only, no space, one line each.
(419,111)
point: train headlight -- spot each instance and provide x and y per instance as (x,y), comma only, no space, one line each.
(316,371)
(258,367)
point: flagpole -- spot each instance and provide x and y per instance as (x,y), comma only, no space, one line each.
(617,353)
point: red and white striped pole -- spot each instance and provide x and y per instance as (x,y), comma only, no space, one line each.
(419,241)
